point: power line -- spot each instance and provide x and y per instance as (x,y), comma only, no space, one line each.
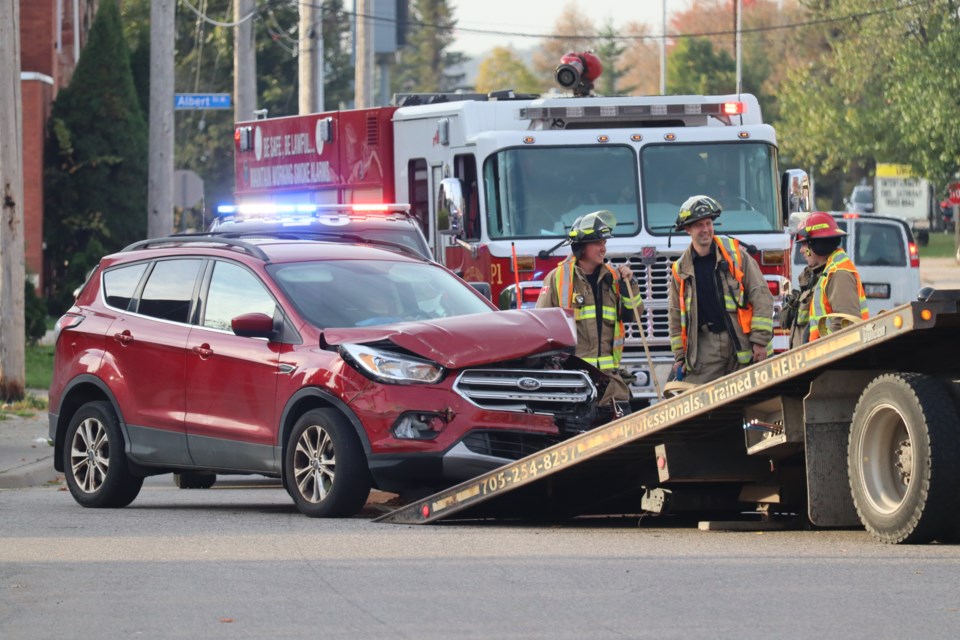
(595,36)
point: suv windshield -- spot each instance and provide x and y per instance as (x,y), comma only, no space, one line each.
(539,192)
(741,176)
(364,293)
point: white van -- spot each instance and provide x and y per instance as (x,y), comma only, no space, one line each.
(885,254)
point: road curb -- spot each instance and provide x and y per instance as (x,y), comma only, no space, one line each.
(39,472)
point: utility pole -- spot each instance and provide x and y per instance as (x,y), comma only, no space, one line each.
(363,75)
(12,324)
(310,57)
(244,61)
(160,182)
(663,49)
(738,23)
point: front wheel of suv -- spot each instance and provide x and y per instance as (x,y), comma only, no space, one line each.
(94,460)
(326,468)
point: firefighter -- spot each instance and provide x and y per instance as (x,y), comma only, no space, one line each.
(830,294)
(594,290)
(721,310)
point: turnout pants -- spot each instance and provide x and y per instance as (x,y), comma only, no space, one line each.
(716,357)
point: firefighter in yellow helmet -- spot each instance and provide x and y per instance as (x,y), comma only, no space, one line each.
(593,289)
(721,310)
(830,293)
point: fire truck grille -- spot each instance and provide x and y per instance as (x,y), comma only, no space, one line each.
(654,283)
(511,446)
(527,391)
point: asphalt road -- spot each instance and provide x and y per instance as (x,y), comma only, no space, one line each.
(238,561)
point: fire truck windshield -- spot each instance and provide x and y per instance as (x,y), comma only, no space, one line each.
(538,192)
(742,176)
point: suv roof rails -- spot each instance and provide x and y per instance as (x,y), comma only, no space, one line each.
(246,247)
(290,234)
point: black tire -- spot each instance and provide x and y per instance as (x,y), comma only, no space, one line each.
(94,460)
(902,458)
(325,467)
(191,480)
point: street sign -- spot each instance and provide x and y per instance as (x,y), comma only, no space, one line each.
(899,193)
(187,188)
(201,101)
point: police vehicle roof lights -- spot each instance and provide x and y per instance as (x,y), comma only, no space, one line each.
(272,210)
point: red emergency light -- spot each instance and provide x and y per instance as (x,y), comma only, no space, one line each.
(733,108)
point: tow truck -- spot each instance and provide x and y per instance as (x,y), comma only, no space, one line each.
(859,427)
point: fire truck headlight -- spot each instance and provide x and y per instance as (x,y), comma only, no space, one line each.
(390,368)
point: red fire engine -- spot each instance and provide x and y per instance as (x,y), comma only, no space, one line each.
(496,180)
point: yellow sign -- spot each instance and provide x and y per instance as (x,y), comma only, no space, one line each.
(887,170)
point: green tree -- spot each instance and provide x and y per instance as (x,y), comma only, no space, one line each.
(95,186)
(694,67)
(610,50)
(502,69)
(882,90)
(426,61)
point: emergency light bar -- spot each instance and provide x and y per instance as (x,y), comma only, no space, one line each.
(634,111)
(275,210)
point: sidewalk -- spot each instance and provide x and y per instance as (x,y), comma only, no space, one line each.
(26,460)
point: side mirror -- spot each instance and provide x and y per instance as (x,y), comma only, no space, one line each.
(450,207)
(253,325)
(796,193)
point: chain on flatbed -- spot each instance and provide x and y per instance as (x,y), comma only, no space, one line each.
(671,412)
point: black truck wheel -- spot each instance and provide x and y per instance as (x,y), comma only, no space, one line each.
(326,469)
(93,459)
(902,458)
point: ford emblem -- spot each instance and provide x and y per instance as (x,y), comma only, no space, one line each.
(528,384)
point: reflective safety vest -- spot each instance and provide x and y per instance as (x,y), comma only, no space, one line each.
(563,281)
(733,301)
(819,304)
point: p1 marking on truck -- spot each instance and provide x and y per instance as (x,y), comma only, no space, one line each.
(489,174)
(860,427)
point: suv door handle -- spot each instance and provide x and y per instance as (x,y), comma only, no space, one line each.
(204,351)
(123,338)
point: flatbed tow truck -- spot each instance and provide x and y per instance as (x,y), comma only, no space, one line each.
(857,428)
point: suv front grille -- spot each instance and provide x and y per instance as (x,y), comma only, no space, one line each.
(654,285)
(528,391)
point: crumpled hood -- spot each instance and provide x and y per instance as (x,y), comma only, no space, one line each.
(472,340)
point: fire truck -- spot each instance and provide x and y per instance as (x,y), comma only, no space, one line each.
(495,182)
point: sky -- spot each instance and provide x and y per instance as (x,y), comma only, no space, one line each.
(539,16)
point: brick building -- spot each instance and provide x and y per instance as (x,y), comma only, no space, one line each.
(52,33)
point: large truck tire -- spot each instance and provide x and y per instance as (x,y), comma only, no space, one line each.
(902,458)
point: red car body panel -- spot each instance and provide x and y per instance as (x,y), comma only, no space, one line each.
(474,340)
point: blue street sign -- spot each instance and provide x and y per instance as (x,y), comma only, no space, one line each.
(201,101)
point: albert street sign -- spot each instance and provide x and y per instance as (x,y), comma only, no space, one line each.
(201,101)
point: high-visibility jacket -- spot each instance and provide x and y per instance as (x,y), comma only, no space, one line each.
(567,286)
(746,298)
(837,299)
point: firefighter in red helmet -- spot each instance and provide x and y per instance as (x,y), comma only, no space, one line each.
(830,295)
(585,283)
(721,310)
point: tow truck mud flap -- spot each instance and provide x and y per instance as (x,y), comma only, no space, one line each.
(590,465)
(828,411)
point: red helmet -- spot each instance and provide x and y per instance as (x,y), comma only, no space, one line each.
(819,225)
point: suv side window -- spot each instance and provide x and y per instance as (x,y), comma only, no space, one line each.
(233,292)
(879,245)
(168,293)
(120,284)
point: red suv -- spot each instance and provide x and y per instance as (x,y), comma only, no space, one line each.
(335,367)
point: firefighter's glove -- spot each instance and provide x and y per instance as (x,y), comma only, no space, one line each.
(791,305)
(628,376)
(677,373)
